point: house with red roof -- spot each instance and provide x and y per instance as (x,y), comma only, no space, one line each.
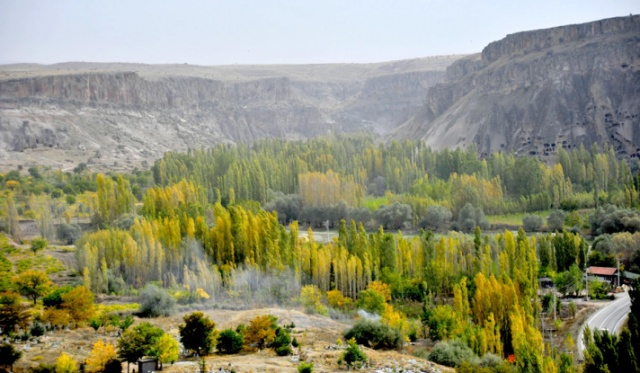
(608,274)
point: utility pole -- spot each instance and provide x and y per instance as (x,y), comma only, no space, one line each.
(586,282)
(618,259)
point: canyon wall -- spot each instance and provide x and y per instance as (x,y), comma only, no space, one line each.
(535,92)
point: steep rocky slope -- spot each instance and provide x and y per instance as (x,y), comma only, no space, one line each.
(118,115)
(531,92)
(534,92)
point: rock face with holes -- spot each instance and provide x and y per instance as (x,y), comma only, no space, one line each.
(118,115)
(537,91)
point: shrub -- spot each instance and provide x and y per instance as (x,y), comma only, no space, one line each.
(532,223)
(284,351)
(436,217)
(598,289)
(375,335)
(37,329)
(305,367)
(69,233)
(353,356)
(393,216)
(283,338)
(260,332)
(113,366)
(95,324)
(470,217)
(155,302)
(490,360)
(555,221)
(43,368)
(230,342)
(452,353)
(39,244)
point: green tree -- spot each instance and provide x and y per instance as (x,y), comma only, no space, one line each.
(230,342)
(606,343)
(570,282)
(138,342)
(9,355)
(371,301)
(32,284)
(634,318)
(12,313)
(38,244)
(198,333)
(627,360)
(442,323)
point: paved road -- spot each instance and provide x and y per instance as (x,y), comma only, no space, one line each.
(610,318)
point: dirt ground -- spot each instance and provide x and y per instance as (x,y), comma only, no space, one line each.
(317,335)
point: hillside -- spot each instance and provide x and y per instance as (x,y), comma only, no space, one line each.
(531,92)
(118,115)
(534,92)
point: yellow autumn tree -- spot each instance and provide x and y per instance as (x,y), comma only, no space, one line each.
(337,300)
(79,304)
(100,354)
(311,298)
(394,319)
(66,364)
(381,288)
(167,349)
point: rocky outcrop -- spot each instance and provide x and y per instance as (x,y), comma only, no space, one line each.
(535,92)
(72,113)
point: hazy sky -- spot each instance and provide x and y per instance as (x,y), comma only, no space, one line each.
(279,31)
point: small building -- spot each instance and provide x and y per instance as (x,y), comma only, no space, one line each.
(627,277)
(147,365)
(545,282)
(607,274)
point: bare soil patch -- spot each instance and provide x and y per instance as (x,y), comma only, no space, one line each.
(316,334)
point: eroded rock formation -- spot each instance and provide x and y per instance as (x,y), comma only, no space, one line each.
(534,92)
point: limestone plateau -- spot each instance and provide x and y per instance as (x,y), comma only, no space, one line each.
(531,92)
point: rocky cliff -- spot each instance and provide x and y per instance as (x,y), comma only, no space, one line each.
(534,92)
(118,115)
